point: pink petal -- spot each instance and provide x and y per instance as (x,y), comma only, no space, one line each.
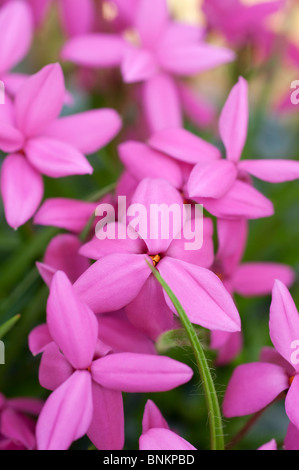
(202,295)
(252,279)
(15,23)
(228,345)
(15,427)
(284,323)
(184,146)
(11,139)
(39,339)
(253,387)
(138,65)
(292,402)
(40,100)
(273,171)
(112,282)
(291,441)
(203,256)
(79,20)
(269,446)
(55,158)
(234,120)
(62,254)
(106,430)
(67,413)
(72,325)
(149,312)
(54,369)
(142,162)
(157,231)
(163,439)
(69,214)
(151,20)
(89,131)
(212,179)
(152,418)
(242,200)
(137,373)
(198,109)
(161,103)
(116,330)
(31,406)
(95,50)
(21,188)
(191,59)
(97,248)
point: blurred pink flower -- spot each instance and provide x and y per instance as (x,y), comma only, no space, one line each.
(255,386)
(40,143)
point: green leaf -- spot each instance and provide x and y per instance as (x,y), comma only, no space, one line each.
(215,418)
(6,327)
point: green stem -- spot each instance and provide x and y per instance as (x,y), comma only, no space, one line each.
(215,418)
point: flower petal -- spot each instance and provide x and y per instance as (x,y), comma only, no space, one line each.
(67,413)
(184,146)
(161,103)
(54,369)
(39,339)
(202,295)
(138,65)
(253,387)
(106,430)
(15,427)
(291,441)
(284,324)
(112,282)
(212,179)
(22,190)
(142,162)
(273,171)
(234,120)
(15,23)
(56,159)
(151,20)
(152,418)
(137,373)
(163,439)
(292,402)
(87,132)
(252,279)
(40,100)
(72,325)
(95,50)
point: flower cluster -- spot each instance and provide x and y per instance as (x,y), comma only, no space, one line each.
(128,265)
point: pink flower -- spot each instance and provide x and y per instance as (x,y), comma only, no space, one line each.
(240,23)
(121,277)
(15,22)
(154,50)
(224,186)
(254,386)
(156,434)
(40,143)
(86,380)
(17,428)
(269,446)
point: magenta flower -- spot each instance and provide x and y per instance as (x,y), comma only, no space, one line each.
(40,143)
(153,50)
(15,21)
(17,427)
(240,23)
(224,186)
(156,434)
(121,277)
(272,445)
(86,380)
(254,386)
